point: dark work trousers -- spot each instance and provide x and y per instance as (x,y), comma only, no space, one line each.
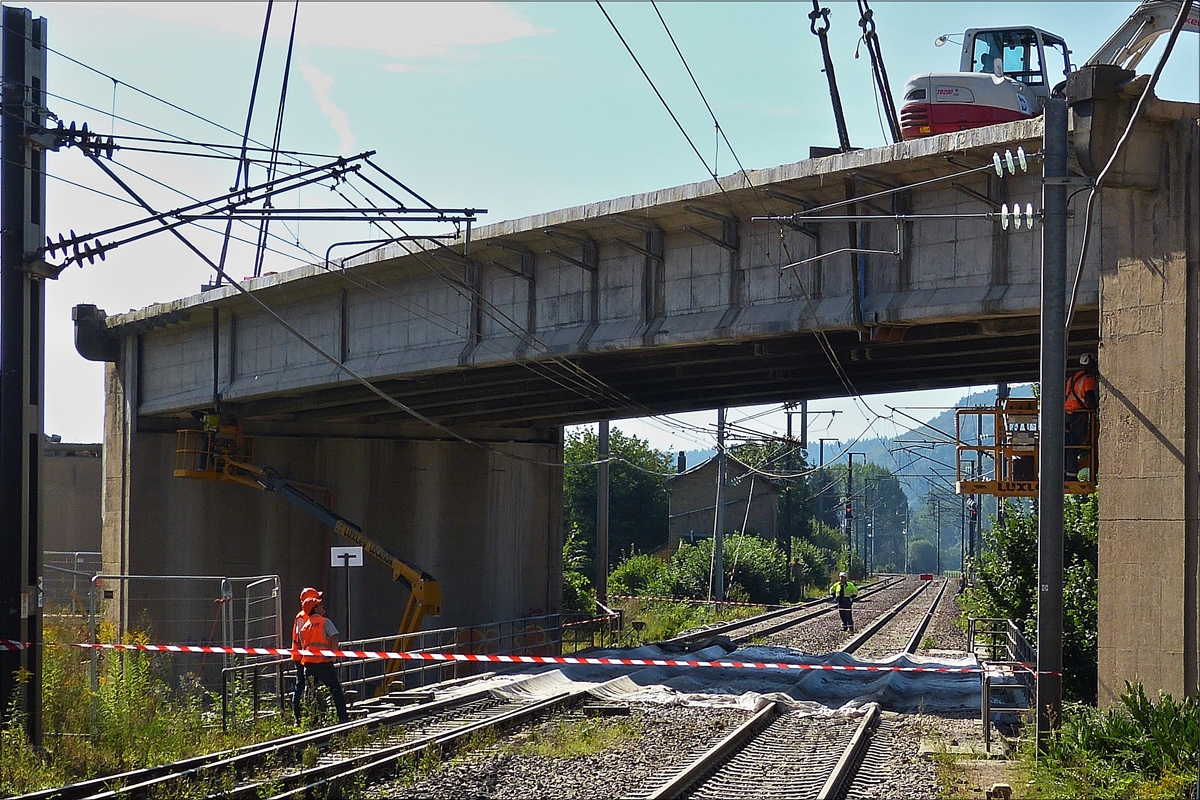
(846,614)
(298,692)
(326,674)
(1078,436)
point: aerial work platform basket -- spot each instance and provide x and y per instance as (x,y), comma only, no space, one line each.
(212,454)
(1008,465)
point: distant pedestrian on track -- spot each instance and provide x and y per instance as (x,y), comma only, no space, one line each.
(843,593)
(319,633)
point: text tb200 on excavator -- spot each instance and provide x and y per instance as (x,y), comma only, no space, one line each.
(221,452)
(1007,74)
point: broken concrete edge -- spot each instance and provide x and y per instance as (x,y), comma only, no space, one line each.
(1007,134)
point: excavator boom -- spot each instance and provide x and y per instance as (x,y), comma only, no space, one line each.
(1129,43)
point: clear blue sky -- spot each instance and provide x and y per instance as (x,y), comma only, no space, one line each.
(519,109)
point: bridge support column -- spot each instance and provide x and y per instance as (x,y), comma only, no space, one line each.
(1150,421)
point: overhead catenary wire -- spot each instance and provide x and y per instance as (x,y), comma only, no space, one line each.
(203,258)
(820,335)
(1176,28)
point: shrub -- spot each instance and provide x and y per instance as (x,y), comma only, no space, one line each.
(1135,749)
(641,574)
(578,594)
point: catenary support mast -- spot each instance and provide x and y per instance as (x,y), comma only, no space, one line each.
(22,358)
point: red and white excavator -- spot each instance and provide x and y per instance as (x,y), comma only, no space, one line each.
(1006,74)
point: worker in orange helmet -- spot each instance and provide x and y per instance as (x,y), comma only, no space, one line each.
(306,594)
(1080,406)
(319,633)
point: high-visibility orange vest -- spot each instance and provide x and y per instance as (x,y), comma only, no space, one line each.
(1077,390)
(312,637)
(297,623)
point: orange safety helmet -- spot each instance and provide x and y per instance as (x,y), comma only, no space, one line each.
(312,601)
(309,597)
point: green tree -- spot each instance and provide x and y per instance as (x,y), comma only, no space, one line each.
(637,501)
(1006,585)
(578,593)
(880,510)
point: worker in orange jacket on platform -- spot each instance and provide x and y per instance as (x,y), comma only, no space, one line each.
(1080,406)
(319,633)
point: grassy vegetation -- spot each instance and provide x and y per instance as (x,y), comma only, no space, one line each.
(663,619)
(1135,750)
(134,719)
(577,737)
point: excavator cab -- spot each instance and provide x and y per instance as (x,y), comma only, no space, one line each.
(1023,54)
(1007,466)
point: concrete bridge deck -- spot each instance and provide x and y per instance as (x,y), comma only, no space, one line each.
(668,301)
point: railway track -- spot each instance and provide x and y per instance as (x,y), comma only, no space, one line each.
(762,625)
(780,754)
(793,755)
(896,619)
(776,753)
(320,762)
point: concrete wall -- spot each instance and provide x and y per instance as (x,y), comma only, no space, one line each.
(71,477)
(486,525)
(1149,349)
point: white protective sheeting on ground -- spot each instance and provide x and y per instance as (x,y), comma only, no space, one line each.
(813,690)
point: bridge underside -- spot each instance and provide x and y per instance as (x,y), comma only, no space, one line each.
(685,377)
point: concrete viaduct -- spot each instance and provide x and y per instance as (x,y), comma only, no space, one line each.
(657,303)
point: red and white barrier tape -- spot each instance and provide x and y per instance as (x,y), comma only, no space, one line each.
(501,659)
(601,618)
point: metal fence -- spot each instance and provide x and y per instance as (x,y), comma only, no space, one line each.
(1007,683)
(551,634)
(67,580)
(187,609)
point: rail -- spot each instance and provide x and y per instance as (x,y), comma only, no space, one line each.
(772,621)
(743,761)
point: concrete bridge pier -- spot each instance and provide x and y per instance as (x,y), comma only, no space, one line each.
(484,519)
(1149,357)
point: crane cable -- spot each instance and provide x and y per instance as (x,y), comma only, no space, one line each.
(822,33)
(871,39)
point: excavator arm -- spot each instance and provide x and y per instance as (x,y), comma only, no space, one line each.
(1130,43)
(425,593)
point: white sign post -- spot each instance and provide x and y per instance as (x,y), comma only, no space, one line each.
(346,557)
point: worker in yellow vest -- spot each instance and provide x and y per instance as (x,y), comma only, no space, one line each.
(319,633)
(843,593)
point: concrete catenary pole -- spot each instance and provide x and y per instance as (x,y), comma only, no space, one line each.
(602,514)
(718,580)
(1051,422)
(22,360)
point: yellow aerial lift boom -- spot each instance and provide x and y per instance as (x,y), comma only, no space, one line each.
(221,453)
(1008,465)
